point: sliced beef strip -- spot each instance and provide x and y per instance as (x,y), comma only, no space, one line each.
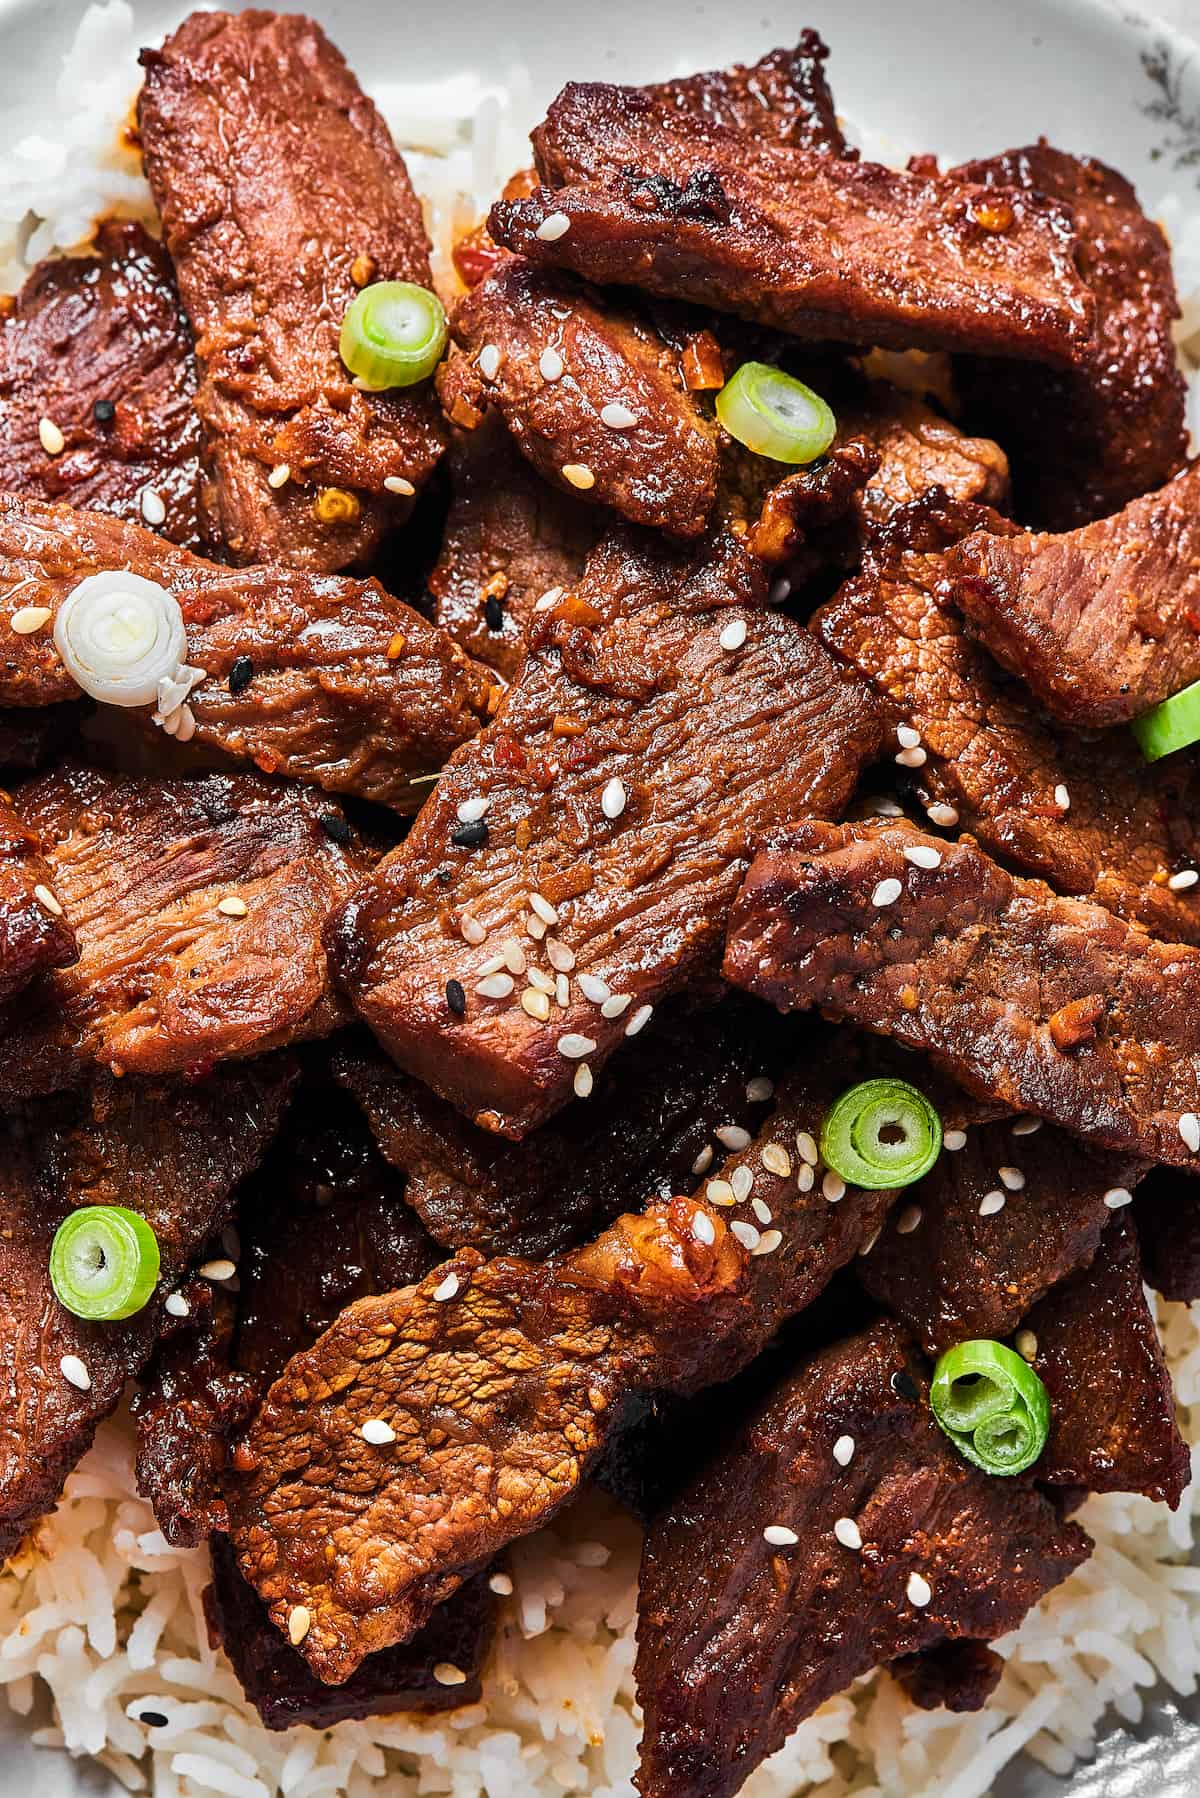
(918,450)
(281,193)
(628,697)
(952,1271)
(1167,1209)
(509,538)
(739,1641)
(1085,815)
(172,1153)
(640,1138)
(784,97)
(1102,622)
(326,679)
(1085,444)
(795,239)
(167,982)
(656,466)
(99,345)
(1112,1406)
(1046,1005)
(35,936)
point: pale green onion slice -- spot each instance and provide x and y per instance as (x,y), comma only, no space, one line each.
(119,635)
(104,1263)
(775,415)
(393,334)
(1169,726)
(881,1133)
(992,1405)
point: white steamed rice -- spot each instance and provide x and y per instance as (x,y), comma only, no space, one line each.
(100,1616)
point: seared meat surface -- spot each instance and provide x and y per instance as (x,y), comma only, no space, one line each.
(784,97)
(1100,621)
(322,678)
(281,193)
(918,450)
(99,345)
(1044,1004)
(35,936)
(739,1641)
(198,907)
(592,396)
(661,724)
(1084,444)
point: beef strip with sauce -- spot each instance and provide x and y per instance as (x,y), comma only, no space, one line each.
(740,1640)
(99,345)
(1167,1209)
(172,1153)
(918,449)
(1046,1005)
(281,194)
(35,936)
(1101,622)
(198,907)
(327,679)
(662,722)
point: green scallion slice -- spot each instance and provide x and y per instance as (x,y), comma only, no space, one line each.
(992,1405)
(1169,726)
(393,334)
(775,415)
(104,1262)
(881,1133)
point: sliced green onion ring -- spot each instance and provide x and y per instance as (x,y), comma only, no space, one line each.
(1169,726)
(992,1405)
(881,1133)
(393,334)
(119,635)
(104,1263)
(775,415)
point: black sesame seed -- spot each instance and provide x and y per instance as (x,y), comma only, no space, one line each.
(456,998)
(241,674)
(152,1719)
(493,613)
(470,836)
(103,411)
(334,827)
(904,1386)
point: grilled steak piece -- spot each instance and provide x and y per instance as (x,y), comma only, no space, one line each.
(328,680)
(795,239)
(662,723)
(1047,1005)
(509,538)
(99,345)
(591,395)
(172,1153)
(966,1255)
(1167,1209)
(1088,816)
(1102,621)
(740,1640)
(638,1139)
(34,934)
(1085,444)
(279,1684)
(167,981)
(918,450)
(1112,1416)
(281,193)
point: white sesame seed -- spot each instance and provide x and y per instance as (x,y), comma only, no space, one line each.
(562,991)
(46,898)
(396,483)
(551,365)
(872,1239)
(595,990)
(613,799)
(805,1175)
(75,1373)
(583,1082)
(299,1624)
(154,510)
(768,1243)
(496,986)
(848,1532)
(954,1140)
(912,758)
(703,1160)
(471,929)
(535,1005)
(886,808)
(549,599)
(779,1536)
(780,589)
(470,811)
(1012,1178)
(907,737)
(1116,1196)
(742,1182)
(833,1186)
(943,815)
(561,959)
(616,1006)
(488,361)
(176,1305)
(543,909)
(221,1269)
(1026,1344)
(908,1220)
(617,417)
(573,1046)
(887,892)
(733,1137)
(991,1203)
(922,857)
(759,1090)
(232,906)
(492,965)
(703,1228)
(280,475)
(553,226)
(746,1234)
(919,1590)
(761,1210)
(1062,798)
(501,1584)
(29,619)
(579,475)
(719,1192)
(776,1160)
(1026,1126)
(843,1450)
(1187,877)
(639,1020)
(1189,1129)
(807,1146)
(734,634)
(447,1674)
(448,1289)
(50,437)
(513,955)
(542,981)
(377,1432)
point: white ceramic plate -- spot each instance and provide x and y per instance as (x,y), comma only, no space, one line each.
(960,77)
